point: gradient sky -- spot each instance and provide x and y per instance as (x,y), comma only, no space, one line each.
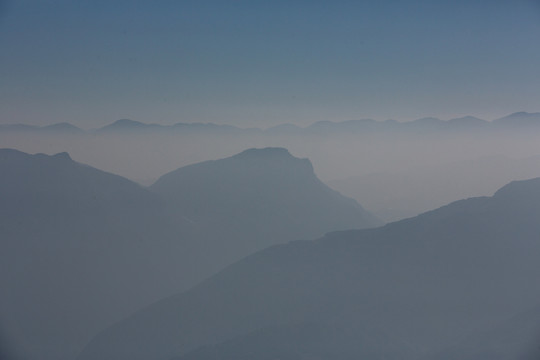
(261,63)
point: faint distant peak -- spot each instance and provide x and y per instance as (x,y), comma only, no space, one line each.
(466,123)
(204,125)
(427,120)
(127,123)
(520,114)
(468,119)
(285,126)
(519,118)
(328,123)
(63,127)
(359,121)
(269,152)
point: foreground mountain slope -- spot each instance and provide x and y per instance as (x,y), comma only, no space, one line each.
(516,338)
(258,198)
(310,340)
(79,248)
(425,283)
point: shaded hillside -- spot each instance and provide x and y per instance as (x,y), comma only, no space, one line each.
(82,248)
(79,248)
(305,341)
(517,338)
(426,282)
(258,198)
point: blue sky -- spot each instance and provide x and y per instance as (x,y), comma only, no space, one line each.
(261,63)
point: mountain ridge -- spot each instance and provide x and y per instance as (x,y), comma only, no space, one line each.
(518,120)
(428,281)
(82,247)
(265,194)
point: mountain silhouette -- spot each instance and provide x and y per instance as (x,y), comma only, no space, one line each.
(258,198)
(516,338)
(80,247)
(127,125)
(519,120)
(59,128)
(425,283)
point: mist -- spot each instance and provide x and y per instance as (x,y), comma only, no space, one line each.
(394,174)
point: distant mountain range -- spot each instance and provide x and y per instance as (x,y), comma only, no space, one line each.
(54,128)
(518,121)
(462,279)
(82,248)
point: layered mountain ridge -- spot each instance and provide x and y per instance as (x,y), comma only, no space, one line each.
(517,120)
(82,248)
(413,289)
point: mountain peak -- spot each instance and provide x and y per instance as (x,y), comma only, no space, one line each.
(427,121)
(62,155)
(519,113)
(272,159)
(468,118)
(12,154)
(520,190)
(126,123)
(260,153)
(268,193)
(520,118)
(63,127)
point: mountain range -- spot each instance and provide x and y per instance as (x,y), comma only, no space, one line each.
(517,121)
(82,248)
(461,279)
(79,248)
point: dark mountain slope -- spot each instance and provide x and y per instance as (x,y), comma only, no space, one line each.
(307,341)
(82,248)
(426,282)
(517,338)
(79,248)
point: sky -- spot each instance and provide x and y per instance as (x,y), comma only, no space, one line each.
(262,63)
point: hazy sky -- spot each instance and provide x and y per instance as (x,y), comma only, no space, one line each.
(260,63)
